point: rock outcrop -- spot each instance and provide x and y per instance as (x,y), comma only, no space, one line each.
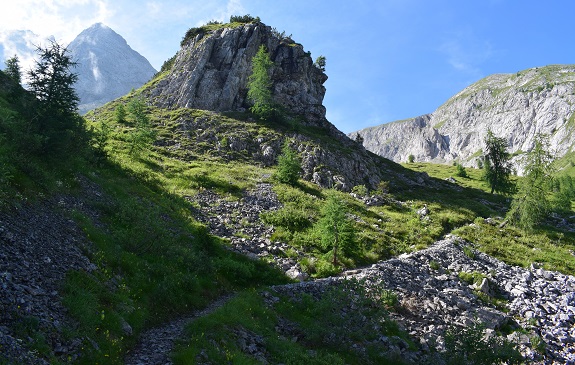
(107,66)
(211,72)
(514,106)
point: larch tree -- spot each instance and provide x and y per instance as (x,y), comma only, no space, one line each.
(497,164)
(260,84)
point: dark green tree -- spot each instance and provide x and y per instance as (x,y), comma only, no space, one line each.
(564,188)
(13,69)
(497,166)
(531,204)
(334,227)
(260,84)
(289,165)
(52,82)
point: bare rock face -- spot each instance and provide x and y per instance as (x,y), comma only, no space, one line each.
(211,72)
(514,106)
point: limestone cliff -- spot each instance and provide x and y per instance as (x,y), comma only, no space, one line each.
(211,72)
(514,106)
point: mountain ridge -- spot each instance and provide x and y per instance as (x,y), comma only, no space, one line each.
(514,106)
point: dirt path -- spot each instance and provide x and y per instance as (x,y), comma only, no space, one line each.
(156,344)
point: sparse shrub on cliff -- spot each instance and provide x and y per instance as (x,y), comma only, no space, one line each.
(244,19)
(191,34)
(320,63)
(411,158)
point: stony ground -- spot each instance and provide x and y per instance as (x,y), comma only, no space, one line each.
(239,222)
(39,244)
(432,298)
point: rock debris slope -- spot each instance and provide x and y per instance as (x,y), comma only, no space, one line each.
(514,106)
(434,300)
(107,66)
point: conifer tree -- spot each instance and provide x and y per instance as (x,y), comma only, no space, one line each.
(13,69)
(531,204)
(289,165)
(334,228)
(259,85)
(52,82)
(497,164)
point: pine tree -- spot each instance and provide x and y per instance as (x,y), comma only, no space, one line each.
(13,69)
(289,165)
(531,205)
(143,134)
(334,227)
(259,85)
(51,81)
(497,166)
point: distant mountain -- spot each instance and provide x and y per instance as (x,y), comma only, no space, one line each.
(514,106)
(107,66)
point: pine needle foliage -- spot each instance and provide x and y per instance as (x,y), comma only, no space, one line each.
(497,170)
(260,85)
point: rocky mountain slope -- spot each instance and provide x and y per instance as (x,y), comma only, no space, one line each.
(211,71)
(107,66)
(514,106)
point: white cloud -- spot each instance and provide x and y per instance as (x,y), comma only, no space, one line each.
(466,54)
(62,18)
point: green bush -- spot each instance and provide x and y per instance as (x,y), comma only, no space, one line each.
(460,171)
(360,190)
(294,219)
(244,19)
(470,346)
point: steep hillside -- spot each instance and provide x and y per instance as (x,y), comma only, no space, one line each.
(514,106)
(107,66)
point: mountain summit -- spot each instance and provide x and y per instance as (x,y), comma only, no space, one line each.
(107,66)
(211,71)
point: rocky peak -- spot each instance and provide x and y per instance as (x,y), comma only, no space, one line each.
(514,106)
(211,71)
(107,66)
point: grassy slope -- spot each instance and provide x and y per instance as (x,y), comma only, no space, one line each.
(156,261)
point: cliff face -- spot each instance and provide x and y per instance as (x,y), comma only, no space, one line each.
(514,106)
(211,72)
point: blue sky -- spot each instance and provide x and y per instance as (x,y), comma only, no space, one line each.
(386,59)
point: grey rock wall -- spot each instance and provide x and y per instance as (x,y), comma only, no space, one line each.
(211,72)
(514,106)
